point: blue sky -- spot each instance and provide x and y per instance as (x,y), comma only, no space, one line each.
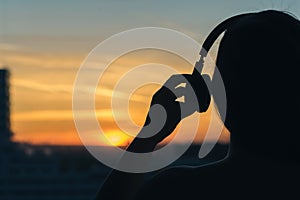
(42,26)
(94,18)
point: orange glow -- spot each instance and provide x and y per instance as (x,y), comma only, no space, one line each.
(117,138)
(41,102)
(49,138)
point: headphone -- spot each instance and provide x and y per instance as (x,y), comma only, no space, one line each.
(202,87)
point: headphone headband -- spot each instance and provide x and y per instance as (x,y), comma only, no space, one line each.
(213,36)
(217,31)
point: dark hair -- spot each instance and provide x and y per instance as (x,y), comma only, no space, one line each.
(258,59)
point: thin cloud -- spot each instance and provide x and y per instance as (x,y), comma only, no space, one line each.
(58,115)
(10,47)
(64,88)
(40,86)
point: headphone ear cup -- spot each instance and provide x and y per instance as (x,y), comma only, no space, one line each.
(200,87)
(205,96)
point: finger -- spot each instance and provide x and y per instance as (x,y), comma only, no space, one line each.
(175,80)
(188,79)
(186,91)
(163,95)
(179,92)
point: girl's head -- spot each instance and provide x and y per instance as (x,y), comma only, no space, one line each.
(258,59)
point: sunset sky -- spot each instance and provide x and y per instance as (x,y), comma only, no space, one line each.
(43,44)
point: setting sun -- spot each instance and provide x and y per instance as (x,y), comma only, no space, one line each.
(117,138)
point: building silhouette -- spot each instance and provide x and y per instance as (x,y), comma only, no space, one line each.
(5,131)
